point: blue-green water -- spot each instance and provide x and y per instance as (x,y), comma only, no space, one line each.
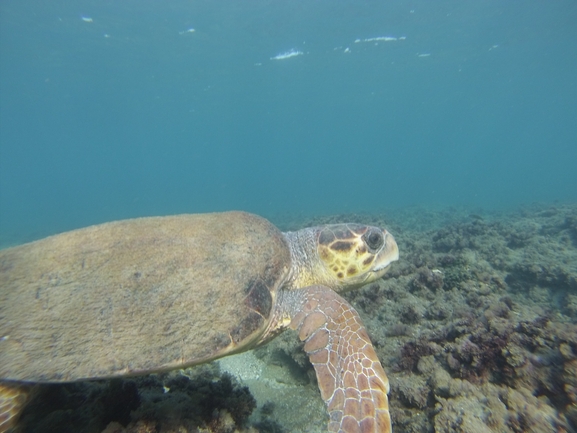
(115,109)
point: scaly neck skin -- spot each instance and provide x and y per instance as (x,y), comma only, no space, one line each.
(307,268)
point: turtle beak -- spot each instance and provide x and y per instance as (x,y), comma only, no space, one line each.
(389,253)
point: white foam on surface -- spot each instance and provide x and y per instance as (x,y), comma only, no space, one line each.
(287,55)
(381,39)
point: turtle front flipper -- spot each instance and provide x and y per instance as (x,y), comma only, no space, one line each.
(351,379)
(13,398)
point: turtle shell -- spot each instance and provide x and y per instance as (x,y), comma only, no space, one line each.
(138,296)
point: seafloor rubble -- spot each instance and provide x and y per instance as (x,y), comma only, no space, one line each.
(476,326)
(202,400)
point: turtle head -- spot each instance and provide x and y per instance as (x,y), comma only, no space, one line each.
(354,254)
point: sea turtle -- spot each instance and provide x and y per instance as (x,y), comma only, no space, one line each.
(160,293)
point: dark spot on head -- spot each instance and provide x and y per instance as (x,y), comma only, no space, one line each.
(259,298)
(340,275)
(351,271)
(341,246)
(326,237)
(343,233)
(357,229)
(368,261)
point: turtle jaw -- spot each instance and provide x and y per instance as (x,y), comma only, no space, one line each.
(388,254)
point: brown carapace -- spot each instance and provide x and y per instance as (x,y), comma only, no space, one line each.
(137,296)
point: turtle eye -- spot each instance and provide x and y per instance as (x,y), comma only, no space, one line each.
(374,239)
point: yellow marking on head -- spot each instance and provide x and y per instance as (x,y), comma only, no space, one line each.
(355,254)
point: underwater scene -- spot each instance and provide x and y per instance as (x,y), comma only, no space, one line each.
(451,124)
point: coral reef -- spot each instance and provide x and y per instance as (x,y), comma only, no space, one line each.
(476,326)
(195,400)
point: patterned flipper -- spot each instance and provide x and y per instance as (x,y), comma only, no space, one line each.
(13,398)
(352,381)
